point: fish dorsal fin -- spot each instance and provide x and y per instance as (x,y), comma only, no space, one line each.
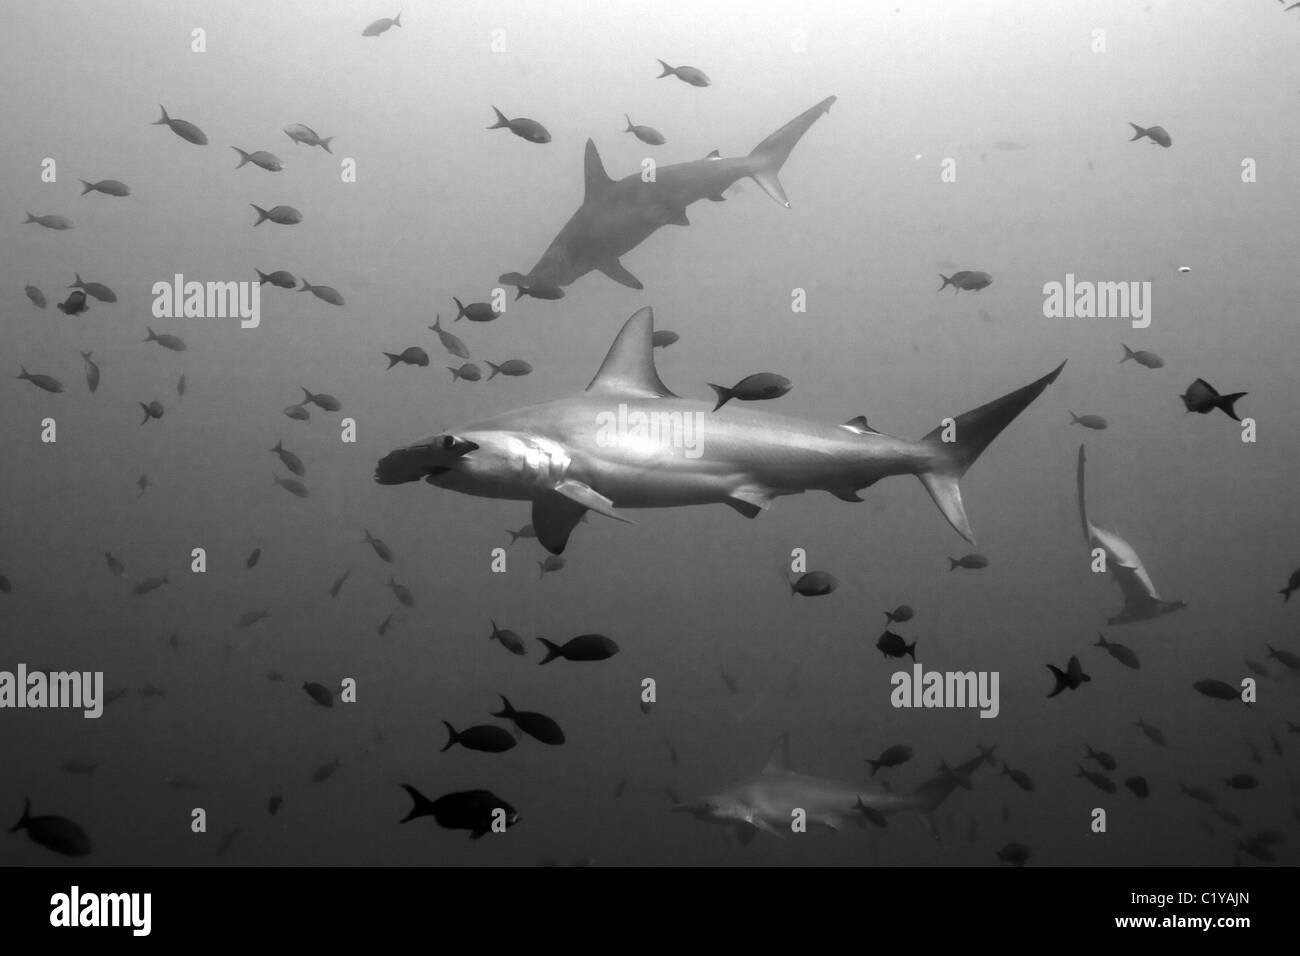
(714,155)
(629,368)
(860,425)
(594,174)
(778,761)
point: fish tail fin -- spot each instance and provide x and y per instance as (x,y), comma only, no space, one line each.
(460,309)
(502,122)
(911,650)
(975,430)
(668,70)
(452,737)
(23,374)
(1062,681)
(151,335)
(262,277)
(27,815)
(243,156)
(146,412)
(513,537)
(325,144)
(85,187)
(307,397)
(889,617)
(1128,353)
(629,123)
(1138,132)
(1101,641)
(420,804)
(262,214)
(1286,594)
(87,355)
(455,372)
(437,322)
(953,564)
(724,395)
(767,158)
(30,218)
(495,369)
(947,281)
(507,711)
(165,118)
(392,359)
(1074,419)
(1225,402)
(397,20)
(520,289)
(875,765)
(306,286)
(552,650)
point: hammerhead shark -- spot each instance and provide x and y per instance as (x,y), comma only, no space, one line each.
(768,800)
(628,442)
(1141,602)
(616,217)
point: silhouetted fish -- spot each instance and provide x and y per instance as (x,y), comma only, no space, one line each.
(646,134)
(1119,652)
(475,311)
(899,615)
(323,292)
(538,726)
(891,645)
(760,386)
(522,127)
(1071,678)
(814,584)
(1202,398)
(382,25)
(1148,359)
(450,342)
(52,832)
(96,290)
(687,74)
(57,223)
(1156,134)
(966,281)
(268,161)
(473,810)
(509,640)
(487,738)
(972,562)
(109,187)
(321,694)
(182,128)
(92,372)
(584,647)
(894,756)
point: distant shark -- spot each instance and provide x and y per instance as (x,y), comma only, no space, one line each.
(616,217)
(768,800)
(1141,602)
(628,442)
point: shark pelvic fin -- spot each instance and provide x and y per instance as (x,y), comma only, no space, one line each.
(615,270)
(749,500)
(629,367)
(594,175)
(678,218)
(590,499)
(554,518)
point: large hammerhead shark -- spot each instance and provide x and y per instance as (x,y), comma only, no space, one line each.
(616,217)
(628,442)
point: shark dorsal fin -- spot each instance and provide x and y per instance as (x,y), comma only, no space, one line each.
(778,761)
(714,155)
(860,425)
(629,368)
(594,175)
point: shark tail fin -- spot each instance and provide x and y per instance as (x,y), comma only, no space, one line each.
(769,156)
(930,795)
(973,432)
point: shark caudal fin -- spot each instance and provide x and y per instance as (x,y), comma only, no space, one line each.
(929,795)
(971,434)
(769,156)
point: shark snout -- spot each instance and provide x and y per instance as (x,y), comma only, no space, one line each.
(424,460)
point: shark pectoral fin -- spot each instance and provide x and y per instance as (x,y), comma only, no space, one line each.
(589,498)
(554,517)
(677,217)
(614,269)
(718,198)
(749,500)
(745,834)
(758,823)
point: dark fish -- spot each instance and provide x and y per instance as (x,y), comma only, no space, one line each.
(327,402)
(109,187)
(891,645)
(154,409)
(753,388)
(411,356)
(972,562)
(528,129)
(1255,667)
(149,584)
(268,161)
(338,583)
(273,805)
(1292,584)
(36,295)
(167,341)
(308,137)
(289,459)
(49,222)
(1202,398)
(1072,677)
(872,814)
(472,810)
(525,532)
(1119,652)
(282,215)
(672,751)
(1098,780)
(646,134)
(382,25)
(174,641)
(54,833)
(385,624)
(325,771)
(297,412)
(509,640)
(1241,781)
(280,278)
(1199,794)
(1019,778)
(96,290)
(619,789)
(475,311)
(319,693)
(1154,734)
(115,565)
(1088,421)
(381,549)
(143,484)
(469,372)
(535,725)
(1256,757)
(510,367)
(894,756)
(730,683)
(535,290)
(488,738)
(1156,134)
(92,372)
(966,281)
(1227,816)
(551,563)
(44,382)
(899,615)
(227,841)
(1260,851)
(75,304)
(687,74)
(291,485)
(1106,761)
(661,339)
(249,618)
(252,559)
(182,128)
(450,342)
(1139,786)
(401,592)
(1217,689)
(1149,359)
(180,385)
(323,292)
(1284,656)
(814,584)
(584,647)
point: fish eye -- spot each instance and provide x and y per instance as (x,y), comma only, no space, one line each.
(448,441)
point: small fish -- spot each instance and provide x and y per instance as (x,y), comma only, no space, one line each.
(672,750)
(1292,584)
(891,645)
(487,738)
(871,813)
(553,562)
(1088,421)
(401,592)
(1156,134)
(381,549)
(511,367)
(537,290)
(174,641)
(474,810)
(1154,734)
(74,304)
(323,292)
(325,771)
(96,290)
(36,295)
(46,383)
(382,25)
(384,625)
(227,841)
(761,386)
(92,372)
(528,129)
(1217,689)
(1098,780)
(1285,657)
(1255,667)
(584,647)
(52,832)
(1139,786)
(525,532)
(1018,777)
(338,583)
(663,338)
(450,342)
(894,756)
(291,485)
(149,584)
(411,356)
(182,128)
(1072,677)
(172,342)
(5,586)
(319,693)
(143,484)
(1106,761)
(971,562)
(687,74)
(273,805)
(280,278)
(268,161)
(619,789)
(1118,651)
(646,134)
(153,409)
(297,412)
(1199,794)
(307,136)
(535,725)
(282,215)
(109,187)
(1256,757)
(966,281)
(509,640)
(289,459)
(50,222)
(252,559)
(1147,359)
(899,615)
(1241,781)
(475,311)
(249,618)
(1202,398)
(1227,816)
(115,565)
(469,372)
(327,402)
(180,385)
(814,584)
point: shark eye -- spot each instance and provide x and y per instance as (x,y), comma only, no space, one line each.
(447,441)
